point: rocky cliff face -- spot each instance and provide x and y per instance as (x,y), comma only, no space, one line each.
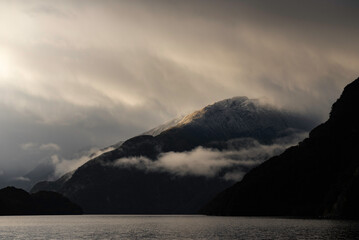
(317,178)
(103,186)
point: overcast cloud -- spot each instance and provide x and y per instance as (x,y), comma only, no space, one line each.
(81,74)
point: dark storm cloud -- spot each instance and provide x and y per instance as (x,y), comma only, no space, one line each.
(97,72)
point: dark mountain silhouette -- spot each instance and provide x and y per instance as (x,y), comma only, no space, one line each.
(14,201)
(317,178)
(42,171)
(101,187)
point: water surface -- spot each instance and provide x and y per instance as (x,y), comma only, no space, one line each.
(172,227)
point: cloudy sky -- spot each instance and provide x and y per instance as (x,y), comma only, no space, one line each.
(81,74)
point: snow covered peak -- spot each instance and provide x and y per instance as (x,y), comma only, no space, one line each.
(224,109)
(231,101)
(237,114)
(235,103)
(157,130)
(191,117)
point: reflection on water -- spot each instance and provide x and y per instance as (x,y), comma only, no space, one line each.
(172,227)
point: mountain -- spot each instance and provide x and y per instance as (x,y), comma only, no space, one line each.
(52,167)
(42,171)
(169,171)
(14,201)
(158,130)
(317,178)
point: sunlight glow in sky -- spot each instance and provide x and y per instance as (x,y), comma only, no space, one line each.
(97,72)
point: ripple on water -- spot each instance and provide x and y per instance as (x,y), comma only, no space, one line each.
(172,227)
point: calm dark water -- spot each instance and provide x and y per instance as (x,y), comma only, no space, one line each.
(172,227)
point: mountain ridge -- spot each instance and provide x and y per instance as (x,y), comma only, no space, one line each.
(14,201)
(317,178)
(101,187)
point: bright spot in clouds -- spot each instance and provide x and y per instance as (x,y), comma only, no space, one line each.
(4,68)
(52,147)
(84,74)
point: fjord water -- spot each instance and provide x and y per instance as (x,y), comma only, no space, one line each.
(172,227)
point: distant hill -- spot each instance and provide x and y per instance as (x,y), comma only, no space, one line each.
(103,186)
(14,201)
(317,178)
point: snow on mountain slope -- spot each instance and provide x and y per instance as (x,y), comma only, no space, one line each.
(187,161)
(236,108)
(236,114)
(163,127)
(239,117)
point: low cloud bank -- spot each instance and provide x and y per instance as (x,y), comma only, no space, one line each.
(24,179)
(30,146)
(63,165)
(229,164)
